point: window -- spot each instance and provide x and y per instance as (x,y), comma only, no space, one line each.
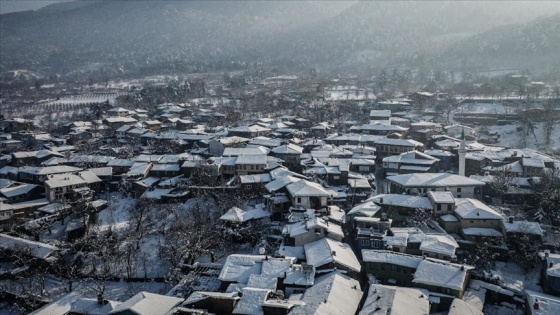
(458,189)
(298,199)
(364,242)
(317,230)
(472,221)
(438,207)
(249,187)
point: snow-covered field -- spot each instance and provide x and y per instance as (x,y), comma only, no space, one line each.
(511,138)
(515,278)
(340,93)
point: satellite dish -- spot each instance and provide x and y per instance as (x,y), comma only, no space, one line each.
(262,251)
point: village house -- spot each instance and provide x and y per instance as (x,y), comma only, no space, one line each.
(363,166)
(477,219)
(33,158)
(121,132)
(550,272)
(333,293)
(248,131)
(385,300)
(369,232)
(290,154)
(10,145)
(15,124)
(308,195)
(400,208)
(421,183)
(118,112)
(216,147)
(35,139)
(328,254)
(116,122)
(446,158)
(6,211)
(541,304)
(254,184)
(378,129)
(89,160)
(386,147)
(165,170)
(152,125)
(410,162)
(37,175)
(18,192)
(321,130)
(379,115)
(406,270)
(250,164)
(456,131)
(443,202)
(120,166)
(69,187)
(79,135)
(44,252)
(312,229)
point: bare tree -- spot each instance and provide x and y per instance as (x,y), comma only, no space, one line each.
(547,195)
(502,182)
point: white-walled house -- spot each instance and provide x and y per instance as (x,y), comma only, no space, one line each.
(308,195)
(422,183)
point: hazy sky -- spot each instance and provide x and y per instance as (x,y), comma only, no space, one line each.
(7,6)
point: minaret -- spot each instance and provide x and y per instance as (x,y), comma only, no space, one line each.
(462,154)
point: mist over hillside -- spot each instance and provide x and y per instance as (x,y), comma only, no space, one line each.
(124,36)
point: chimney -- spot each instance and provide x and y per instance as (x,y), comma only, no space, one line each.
(333,253)
(537,304)
(510,219)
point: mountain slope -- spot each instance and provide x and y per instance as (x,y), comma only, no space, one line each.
(129,35)
(533,45)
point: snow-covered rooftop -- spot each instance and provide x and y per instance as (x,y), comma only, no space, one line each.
(237,215)
(145,303)
(35,249)
(251,301)
(439,274)
(307,189)
(332,294)
(444,197)
(391,300)
(238,268)
(548,304)
(523,227)
(407,201)
(325,251)
(433,180)
(441,244)
(473,209)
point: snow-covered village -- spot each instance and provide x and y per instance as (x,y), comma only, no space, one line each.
(187,187)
